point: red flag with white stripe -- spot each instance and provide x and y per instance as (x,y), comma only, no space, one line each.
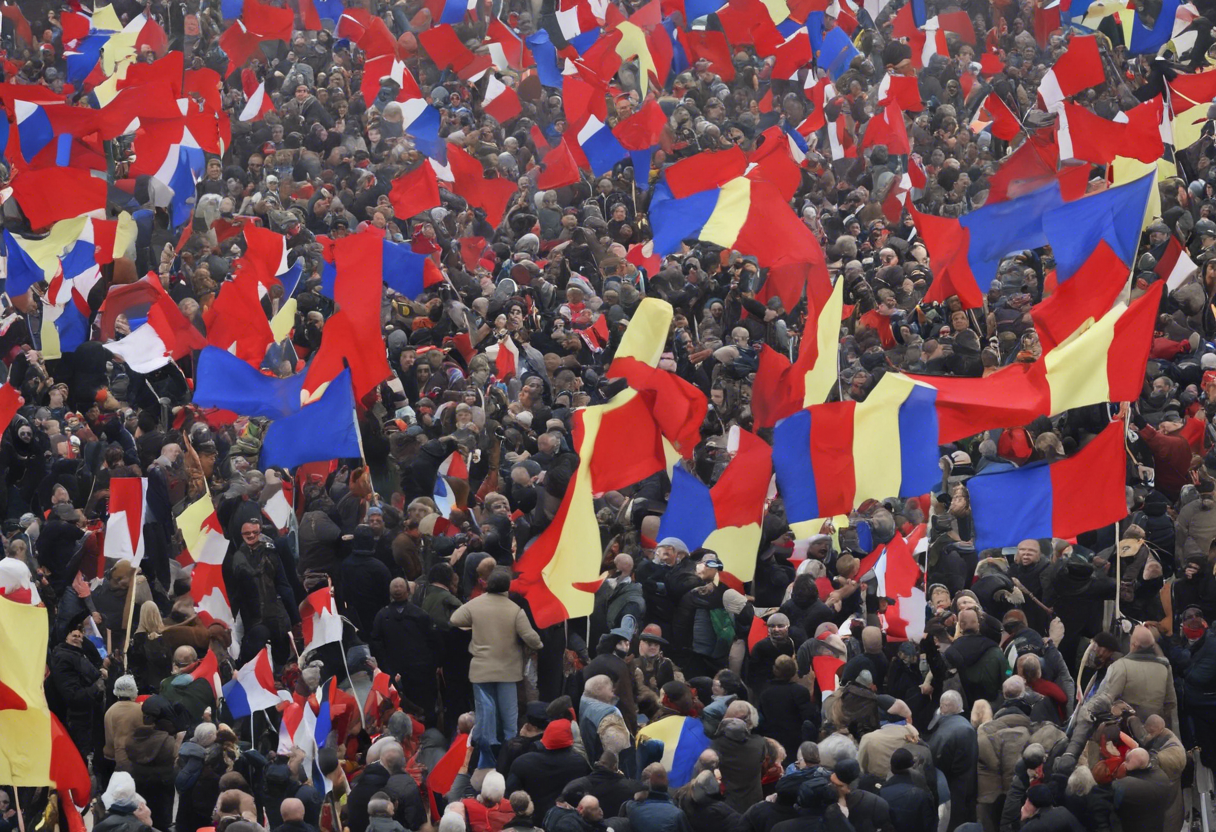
(501,102)
(125,528)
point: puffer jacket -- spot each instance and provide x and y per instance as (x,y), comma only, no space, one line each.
(1195,529)
(1145,681)
(1199,685)
(1000,744)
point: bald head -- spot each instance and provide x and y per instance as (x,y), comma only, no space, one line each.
(738,710)
(398,589)
(292,809)
(969,621)
(589,809)
(1137,759)
(1142,638)
(623,565)
(1154,725)
(184,656)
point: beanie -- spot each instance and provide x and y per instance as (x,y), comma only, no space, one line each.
(558,735)
(125,687)
(901,760)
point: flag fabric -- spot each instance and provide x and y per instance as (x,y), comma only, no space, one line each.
(319,620)
(49,195)
(253,687)
(501,102)
(207,547)
(900,580)
(208,669)
(1085,297)
(443,773)
(415,192)
(222,380)
(825,669)
(258,104)
(125,526)
(683,739)
(599,145)
(1078,69)
(1057,499)
(1175,265)
(830,458)
(327,428)
(566,554)
(23,708)
(236,321)
(726,517)
(1135,133)
(1003,122)
(1105,363)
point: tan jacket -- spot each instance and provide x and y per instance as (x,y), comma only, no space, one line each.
(874,752)
(500,633)
(121,720)
(1145,681)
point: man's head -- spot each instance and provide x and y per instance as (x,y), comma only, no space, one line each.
(392,757)
(779,627)
(589,809)
(1029,552)
(251,530)
(599,688)
(1142,639)
(670,551)
(1105,647)
(292,810)
(499,580)
(952,702)
(654,777)
(183,657)
(1138,758)
(808,755)
(1013,688)
(969,621)
(398,589)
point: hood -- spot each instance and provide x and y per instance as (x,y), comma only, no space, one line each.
(734,730)
(967,650)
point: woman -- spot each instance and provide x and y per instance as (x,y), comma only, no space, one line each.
(149,657)
(78,682)
(488,812)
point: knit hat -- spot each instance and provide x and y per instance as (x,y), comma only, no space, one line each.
(558,735)
(1040,796)
(125,687)
(848,772)
(901,760)
(675,543)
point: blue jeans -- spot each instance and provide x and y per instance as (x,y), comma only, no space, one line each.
(497,710)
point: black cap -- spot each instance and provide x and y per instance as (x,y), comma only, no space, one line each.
(364,540)
(1040,796)
(901,760)
(536,714)
(847,772)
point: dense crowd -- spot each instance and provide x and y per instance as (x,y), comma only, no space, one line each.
(1064,685)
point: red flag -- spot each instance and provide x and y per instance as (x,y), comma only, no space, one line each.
(470,251)
(704,171)
(713,47)
(1089,293)
(70,775)
(887,128)
(490,195)
(267,22)
(415,192)
(825,668)
(560,168)
(444,773)
(51,194)
(1005,123)
(345,342)
(757,634)
(236,319)
(21,26)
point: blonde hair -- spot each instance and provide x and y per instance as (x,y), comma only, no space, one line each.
(150,621)
(981,712)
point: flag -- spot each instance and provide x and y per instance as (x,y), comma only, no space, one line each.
(835,53)
(501,102)
(1079,68)
(298,729)
(444,772)
(208,669)
(207,546)
(49,195)
(899,579)
(125,526)
(1134,133)
(830,458)
(490,195)
(415,192)
(1057,499)
(454,466)
(23,708)
(1105,363)
(505,355)
(683,739)
(1004,123)
(258,105)
(17,583)
(1175,265)
(887,128)
(560,168)
(1086,296)
(825,669)
(328,428)
(599,145)
(236,321)
(567,552)
(222,380)
(347,342)
(727,517)
(390,67)
(33,127)
(757,633)
(782,388)
(319,620)
(253,687)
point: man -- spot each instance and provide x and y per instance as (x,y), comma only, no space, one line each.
(700,619)
(607,784)
(979,662)
(911,805)
(875,749)
(601,723)
(740,757)
(1021,640)
(863,810)
(364,588)
(542,773)
(500,633)
(619,602)
(1040,814)
(196,695)
(651,669)
(609,661)
(407,645)
(953,743)
(766,651)
(1143,797)
(1027,573)
(1144,680)
(652,575)
(655,812)
(292,812)
(121,720)
(1167,753)
(1001,742)
(261,595)
(387,775)
(536,718)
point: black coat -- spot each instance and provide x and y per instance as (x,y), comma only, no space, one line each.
(1054,819)
(911,806)
(404,639)
(543,774)
(714,816)
(784,708)
(611,788)
(411,812)
(76,676)
(363,590)
(867,813)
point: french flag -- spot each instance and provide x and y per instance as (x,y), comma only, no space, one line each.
(389,66)
(501,102)
(445,499)
(253,687)
(301,728)
(319,620)
(454,11)
(454,466)
(208,669)
(421,121)
(599,146)
(172,185)
(258,105)
(505,356)
(125,527)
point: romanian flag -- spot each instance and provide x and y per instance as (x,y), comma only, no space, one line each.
(727,517)
(698,201)
(1058,499)
(1086,296)
(783,388)
(560,566)
(829,458)
(683,739)
(970,249)
(1105,363)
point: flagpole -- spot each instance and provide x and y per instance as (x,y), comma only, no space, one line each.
(17,806)
(126,641)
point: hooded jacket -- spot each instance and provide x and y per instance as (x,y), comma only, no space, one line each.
(741,761)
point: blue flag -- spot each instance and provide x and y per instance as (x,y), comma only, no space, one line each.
(323,430)
(225,381)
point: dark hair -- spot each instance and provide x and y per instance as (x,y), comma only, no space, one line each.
(1107,641)
(148,420)
(441,574)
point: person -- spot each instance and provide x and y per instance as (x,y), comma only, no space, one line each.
(489,811)
(291,810)
(188,771)
(195,695)
(1144,680)
(150,753)
(608,784)
(364,588)
(652,670)
(1143,797)
(125,809)
(121,720)
(863,810)
(543,772)
(500,633)
(909,803)
(741,757)
(78,681)
(1040,814)
(766,651)
(787,710)
(386,775)
(654,811)
(266,602)
(408,646)
(955,748)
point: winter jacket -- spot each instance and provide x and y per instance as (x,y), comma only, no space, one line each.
(867,813)
(1051,661)
(911,806)
(1199,685)
(500,632)
(1195,529)
(655,814)
(952,739)
(981,667)
(121,720)
(741,761)
(1000,743)
(363,591)
(151,753)
(1145,681)
(611,788)
(543,774)
(78,686)
(786,712)
(1142,799)
(405,641)
(401,787)
(121,818)
(614,667)
(189,766)
(1053,819)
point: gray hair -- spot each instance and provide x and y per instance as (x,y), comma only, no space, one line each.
(204,733)
(809,753)
(599,687)
(1081,782)
(952,702)
(1014,687)
(493,787)
(451,821)
(836,747)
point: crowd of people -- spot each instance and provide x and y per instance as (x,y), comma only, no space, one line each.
(1061,685)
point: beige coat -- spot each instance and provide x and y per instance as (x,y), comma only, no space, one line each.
(874,752)
(121,720)
(500,633)
(1145,681)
